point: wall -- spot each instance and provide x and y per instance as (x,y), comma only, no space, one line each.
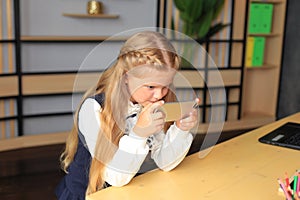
(40,18)
(289,96)
(45,18)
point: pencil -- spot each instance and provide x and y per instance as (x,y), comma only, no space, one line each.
(298,184)
(284,189)
(295,193)
(287,181)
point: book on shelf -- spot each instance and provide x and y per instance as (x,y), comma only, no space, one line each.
(255,51)
(258,51)
(260,19)
(267,15)
(249,51)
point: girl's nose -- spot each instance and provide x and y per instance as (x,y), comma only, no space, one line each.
(158,93)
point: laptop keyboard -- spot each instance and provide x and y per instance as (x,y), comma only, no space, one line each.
(287,135)
(293,139)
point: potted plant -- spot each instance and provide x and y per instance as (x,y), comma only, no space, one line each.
(197,17)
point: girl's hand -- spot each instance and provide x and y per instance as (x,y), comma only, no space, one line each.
(188,122)
(149,121)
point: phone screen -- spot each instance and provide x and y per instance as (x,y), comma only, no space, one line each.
(177,110)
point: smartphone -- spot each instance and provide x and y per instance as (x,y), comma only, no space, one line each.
(177,110)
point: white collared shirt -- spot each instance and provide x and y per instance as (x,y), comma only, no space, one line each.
(167,150)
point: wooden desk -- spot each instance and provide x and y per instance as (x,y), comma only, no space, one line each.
(240,168)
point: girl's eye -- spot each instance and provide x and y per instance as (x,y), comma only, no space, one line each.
(150,86)
(153,87)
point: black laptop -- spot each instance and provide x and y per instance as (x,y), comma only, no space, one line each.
(287,135)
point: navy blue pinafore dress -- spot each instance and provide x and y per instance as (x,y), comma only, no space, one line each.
(74,184)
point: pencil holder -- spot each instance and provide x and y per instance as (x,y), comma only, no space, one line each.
(94,7)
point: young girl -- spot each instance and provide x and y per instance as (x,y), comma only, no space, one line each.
(118,123)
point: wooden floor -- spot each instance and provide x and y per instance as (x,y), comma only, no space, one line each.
(33,173)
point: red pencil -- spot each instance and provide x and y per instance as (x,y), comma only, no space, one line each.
(284,189)
(287,180)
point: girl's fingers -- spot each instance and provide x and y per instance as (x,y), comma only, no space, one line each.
(187,126)
(190,118)
(188,122)
(154,106)
(158,115)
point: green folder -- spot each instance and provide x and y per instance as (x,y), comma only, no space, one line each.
(260,19)
(258,51)
(266,20)
(254,18)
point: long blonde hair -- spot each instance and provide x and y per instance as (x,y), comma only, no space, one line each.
(144,48)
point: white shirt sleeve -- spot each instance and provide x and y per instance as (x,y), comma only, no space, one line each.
(127,160)
(89,122)
(171,148)
(130,155)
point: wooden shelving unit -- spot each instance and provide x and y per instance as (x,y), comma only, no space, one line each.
(25,38)
(80,15)
(260,86)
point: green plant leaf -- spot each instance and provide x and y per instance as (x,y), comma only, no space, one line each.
(181,5)
(185,17)
(218,8)
(195,8)
(205,24)
(215,29)
(209,5)
(198,15)
(185,28)
(189,29)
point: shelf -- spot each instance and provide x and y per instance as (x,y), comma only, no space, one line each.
(104,16)
(265,34)
(9,86)
(248,121)
(57,83)
(33,141)
(265,66)
(69,38)
(266,1)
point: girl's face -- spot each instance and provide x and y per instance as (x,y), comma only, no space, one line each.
(147,85)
